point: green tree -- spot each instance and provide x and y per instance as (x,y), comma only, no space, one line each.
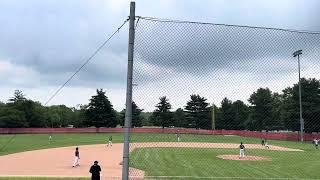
(262,109)
(137,118)
(227,115)
(33,111)
(162,116)
(241,113)
(18,96)
(64,116)
(146,118)
(310,93)
(179,118)
(12,118)
(100,112)
(80,116)
(198,115)
(277,108)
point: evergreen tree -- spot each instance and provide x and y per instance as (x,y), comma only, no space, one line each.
(162,116)
(227,114)
(179,118)
(100,112)
(198,114)
(262,109)
(136,116)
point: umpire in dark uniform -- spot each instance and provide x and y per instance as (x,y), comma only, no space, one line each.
(95,171)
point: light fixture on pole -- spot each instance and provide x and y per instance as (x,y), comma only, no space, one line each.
(295,54)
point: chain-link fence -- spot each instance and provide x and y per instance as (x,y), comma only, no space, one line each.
(205,88)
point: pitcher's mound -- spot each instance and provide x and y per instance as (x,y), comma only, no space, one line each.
(246,158)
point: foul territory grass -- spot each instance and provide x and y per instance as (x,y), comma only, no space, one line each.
(189,163)
(27,142)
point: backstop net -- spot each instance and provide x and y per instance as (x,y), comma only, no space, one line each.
(200,89)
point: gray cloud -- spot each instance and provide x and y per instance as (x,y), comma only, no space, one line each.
(200,49)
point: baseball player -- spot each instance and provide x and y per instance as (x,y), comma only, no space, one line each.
(76,158)
(316,143)
(242,149)
(178,137)
(110,141)
(50,138)
(266,144)
(262,142)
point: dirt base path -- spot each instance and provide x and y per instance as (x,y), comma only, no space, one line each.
(58,161)
(207,145)
(246,158)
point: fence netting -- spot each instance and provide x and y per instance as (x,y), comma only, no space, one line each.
(204,88)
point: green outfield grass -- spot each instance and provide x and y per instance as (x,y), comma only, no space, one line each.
(26,142)
(190,163)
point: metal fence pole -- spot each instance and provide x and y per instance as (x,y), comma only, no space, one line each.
(128,118)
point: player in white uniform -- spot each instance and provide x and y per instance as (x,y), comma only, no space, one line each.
(316,143)
(110,141)
(50,138)
(266,144)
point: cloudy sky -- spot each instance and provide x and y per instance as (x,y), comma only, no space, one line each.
(43,42)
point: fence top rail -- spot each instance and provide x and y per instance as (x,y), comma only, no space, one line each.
(227,25)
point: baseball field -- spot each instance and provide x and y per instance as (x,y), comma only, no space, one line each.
(155,156)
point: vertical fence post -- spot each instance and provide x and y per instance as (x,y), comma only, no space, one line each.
(128,117)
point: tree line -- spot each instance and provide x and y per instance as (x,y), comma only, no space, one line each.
(265,110)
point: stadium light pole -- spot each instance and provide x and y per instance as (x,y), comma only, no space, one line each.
(297,54)
(128,116)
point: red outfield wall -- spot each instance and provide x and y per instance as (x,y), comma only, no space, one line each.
(270,135)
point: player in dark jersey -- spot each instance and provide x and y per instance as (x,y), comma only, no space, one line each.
(263,141)
(242,149)
(95,171)
(76,158)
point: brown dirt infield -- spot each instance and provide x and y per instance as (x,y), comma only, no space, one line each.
(246,158)
(58,161)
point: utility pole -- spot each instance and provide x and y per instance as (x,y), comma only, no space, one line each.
(295,54)
(128,117)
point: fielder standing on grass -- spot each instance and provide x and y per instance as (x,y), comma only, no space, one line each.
(316,143)
(76,158)
(242,149)
(110,141)
(50,138)
(178,137)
